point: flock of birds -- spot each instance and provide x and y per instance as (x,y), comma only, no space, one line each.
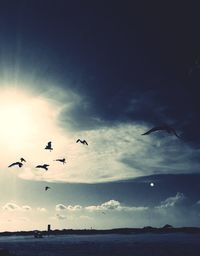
(45,166)
(49,147)
(165,127)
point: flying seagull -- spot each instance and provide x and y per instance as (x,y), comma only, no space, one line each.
(46,188)
(16,163)
(48,146)
(61,160)
(166,128)
(82,141)
(43,166)
(22,159)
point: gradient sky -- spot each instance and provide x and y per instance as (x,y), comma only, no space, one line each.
(104,71)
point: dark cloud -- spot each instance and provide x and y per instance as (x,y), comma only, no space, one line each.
(128,60)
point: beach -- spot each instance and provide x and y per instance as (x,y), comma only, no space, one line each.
(178,244)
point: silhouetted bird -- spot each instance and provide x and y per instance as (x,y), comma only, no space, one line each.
(44,166)
(162,128)
(16,163)
(82,141)
(61,160)
(46,188)
(22,159)
(48,146)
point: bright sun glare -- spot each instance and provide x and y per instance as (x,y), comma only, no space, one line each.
(22,117)
(15,121)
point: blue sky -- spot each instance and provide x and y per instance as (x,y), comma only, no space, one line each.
(105,72)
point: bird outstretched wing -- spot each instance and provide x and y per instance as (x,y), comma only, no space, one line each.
(16,163)
(49,146)
(13,164)
(85,142)
(154,129)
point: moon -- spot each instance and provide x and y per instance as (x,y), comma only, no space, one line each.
(152,184)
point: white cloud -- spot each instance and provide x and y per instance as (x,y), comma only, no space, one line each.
(15,207)
(114,205)
(135,208)
(115,152)
(111,205)
(60,207)
(172,201)
(74,208)
(11,207)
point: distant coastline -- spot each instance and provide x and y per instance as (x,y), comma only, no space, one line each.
(163,230)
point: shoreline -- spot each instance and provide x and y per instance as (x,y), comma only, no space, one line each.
(126,231)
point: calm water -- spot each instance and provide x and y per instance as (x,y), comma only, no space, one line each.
(82,245)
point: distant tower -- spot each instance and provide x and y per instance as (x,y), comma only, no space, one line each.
(49,228)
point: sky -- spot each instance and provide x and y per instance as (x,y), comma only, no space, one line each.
(106,72)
